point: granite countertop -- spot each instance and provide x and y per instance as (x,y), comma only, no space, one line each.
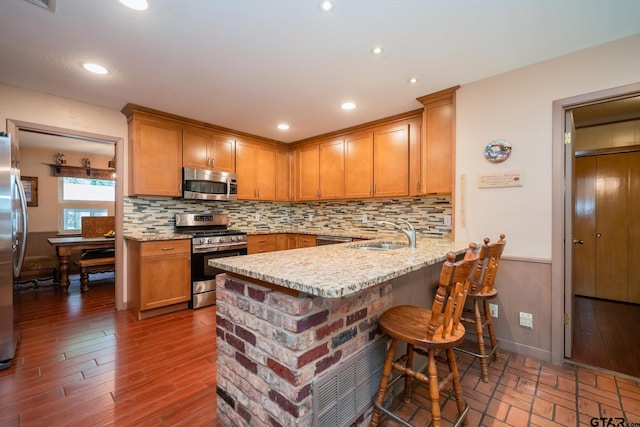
(334,271)
(150,237)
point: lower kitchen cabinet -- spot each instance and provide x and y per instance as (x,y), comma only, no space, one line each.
(262,243)
(306,241)
(159,277)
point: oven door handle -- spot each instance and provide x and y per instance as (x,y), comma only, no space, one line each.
(205,249)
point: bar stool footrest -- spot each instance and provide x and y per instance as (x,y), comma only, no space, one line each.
(481,356)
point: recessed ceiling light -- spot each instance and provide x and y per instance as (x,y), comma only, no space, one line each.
(136,4)
(348,106)
(413,80)
(326,6)
(95,68)
(283,126)
(377,50)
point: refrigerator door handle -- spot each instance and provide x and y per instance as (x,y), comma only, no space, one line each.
(21,245)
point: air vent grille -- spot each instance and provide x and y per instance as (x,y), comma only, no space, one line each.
(341,396)
(47,4)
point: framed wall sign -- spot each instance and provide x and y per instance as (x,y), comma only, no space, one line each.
(30,184)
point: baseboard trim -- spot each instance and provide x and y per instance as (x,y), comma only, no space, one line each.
(525,350)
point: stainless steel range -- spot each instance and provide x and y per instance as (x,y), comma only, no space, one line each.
(210,239)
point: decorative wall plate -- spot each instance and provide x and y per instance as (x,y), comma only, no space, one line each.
(497,151)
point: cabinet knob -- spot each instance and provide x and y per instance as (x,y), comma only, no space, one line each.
(598,235)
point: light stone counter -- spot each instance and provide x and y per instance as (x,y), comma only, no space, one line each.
(335,271)
(150,237)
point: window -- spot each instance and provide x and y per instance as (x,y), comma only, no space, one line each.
(83,197)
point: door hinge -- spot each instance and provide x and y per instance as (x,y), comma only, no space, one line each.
(567,319)
(567,138)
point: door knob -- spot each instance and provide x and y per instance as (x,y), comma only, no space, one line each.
(578,242)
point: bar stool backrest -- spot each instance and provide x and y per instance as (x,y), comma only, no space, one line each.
(451,295)
(485,276)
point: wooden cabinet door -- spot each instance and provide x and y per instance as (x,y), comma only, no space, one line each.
(606,227)
(246,153)
(331,169)
(155,157)
(194,147)
(391,161)
(308,173)
(281,242)
(283,174)
(266,172)
(262,243)
(166,279)
(222,152)
(634,227)
(205,149)
(612,227)
(417,160)
(292,241)
(584,225)
(358,166)
(439,154)
(306,241)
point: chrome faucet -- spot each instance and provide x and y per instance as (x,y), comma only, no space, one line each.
(409,232)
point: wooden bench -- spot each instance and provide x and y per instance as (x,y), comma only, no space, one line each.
(36,268)
(93,265)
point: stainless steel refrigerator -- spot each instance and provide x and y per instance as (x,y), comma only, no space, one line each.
(13,234)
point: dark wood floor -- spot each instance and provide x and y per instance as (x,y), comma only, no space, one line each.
(606,334)
(82,363)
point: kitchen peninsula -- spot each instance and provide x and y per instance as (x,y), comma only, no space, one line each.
(289,322)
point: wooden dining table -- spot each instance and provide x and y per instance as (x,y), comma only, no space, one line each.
(65,246)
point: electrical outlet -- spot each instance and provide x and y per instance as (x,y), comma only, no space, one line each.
(447,219)
(493,310)
(310,217)
(257,217)
(526,320)
(364,217)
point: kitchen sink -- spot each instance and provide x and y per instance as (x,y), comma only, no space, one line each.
(379,246)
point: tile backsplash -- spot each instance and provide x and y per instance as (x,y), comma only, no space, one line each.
(427,214)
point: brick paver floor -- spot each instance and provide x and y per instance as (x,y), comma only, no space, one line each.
(524,391)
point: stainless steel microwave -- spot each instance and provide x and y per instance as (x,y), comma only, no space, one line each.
(205,184)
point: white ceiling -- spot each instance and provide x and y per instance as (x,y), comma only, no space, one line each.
(250,64)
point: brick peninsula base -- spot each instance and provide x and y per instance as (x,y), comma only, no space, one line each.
(271,346)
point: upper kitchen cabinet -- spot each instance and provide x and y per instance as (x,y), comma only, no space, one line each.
(438,139)
(206,149)
(417,159)
(331,167)
(307,168)
(284,189)
(256,169)
(391,161)
(155,154)
(320,170)
(358,165)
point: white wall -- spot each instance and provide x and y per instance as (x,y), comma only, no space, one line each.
(37,107)
(517,106)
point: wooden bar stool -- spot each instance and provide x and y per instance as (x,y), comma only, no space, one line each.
(481,291)
(425,332)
